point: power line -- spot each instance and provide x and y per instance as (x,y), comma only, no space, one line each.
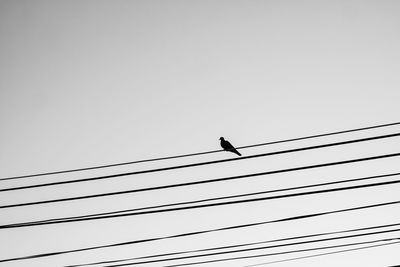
(300,217)
(246,249)
(236,196)
(284,252)
(198,153)
(200,201)
(204,163)
(150,210)
(205,181)
(324,254)
(252,249)
(235,246)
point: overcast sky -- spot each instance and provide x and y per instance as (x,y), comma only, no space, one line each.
(86,83)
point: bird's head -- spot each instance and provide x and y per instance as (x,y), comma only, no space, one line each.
(221,138)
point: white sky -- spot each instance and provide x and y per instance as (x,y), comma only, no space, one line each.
(84,83)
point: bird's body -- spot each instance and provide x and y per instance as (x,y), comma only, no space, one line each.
(228,146)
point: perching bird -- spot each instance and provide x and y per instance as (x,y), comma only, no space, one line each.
(228,146)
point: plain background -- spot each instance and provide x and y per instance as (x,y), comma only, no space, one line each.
(85,83)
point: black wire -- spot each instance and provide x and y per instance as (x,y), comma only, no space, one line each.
(244,195)
(300,217)
(204,181)
(326,253)
(252,249)
(151,211)
(198,153)
(203,163)
(284,252)
(233,246)
(203,200)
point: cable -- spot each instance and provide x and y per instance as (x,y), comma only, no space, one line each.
(233,196)
(252,249)
(198,153)
(203,163)
(149,210)
(282,253)
(324,254)
(300,217)
(234,246)
(198,201)
(204,181)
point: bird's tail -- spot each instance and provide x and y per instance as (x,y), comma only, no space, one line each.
(236,152)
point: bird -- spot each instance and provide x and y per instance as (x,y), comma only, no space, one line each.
(228,146)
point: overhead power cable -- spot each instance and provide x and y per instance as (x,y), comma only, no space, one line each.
(234,246)
(204,181)
(226,197)
(234,227)
(198,153)
(196,201)
(146,260)
(391,240)
(252,249)
(204,163)
(326,253)
(152,210)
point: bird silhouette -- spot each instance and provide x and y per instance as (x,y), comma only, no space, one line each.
(228,146)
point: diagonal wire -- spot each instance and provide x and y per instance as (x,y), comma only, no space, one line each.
(327,253)
(204,181)
(248,194)
(198,153)
(152,210)
(253,249)
(203,163)
(227,228)
(284,252)
(236,245)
